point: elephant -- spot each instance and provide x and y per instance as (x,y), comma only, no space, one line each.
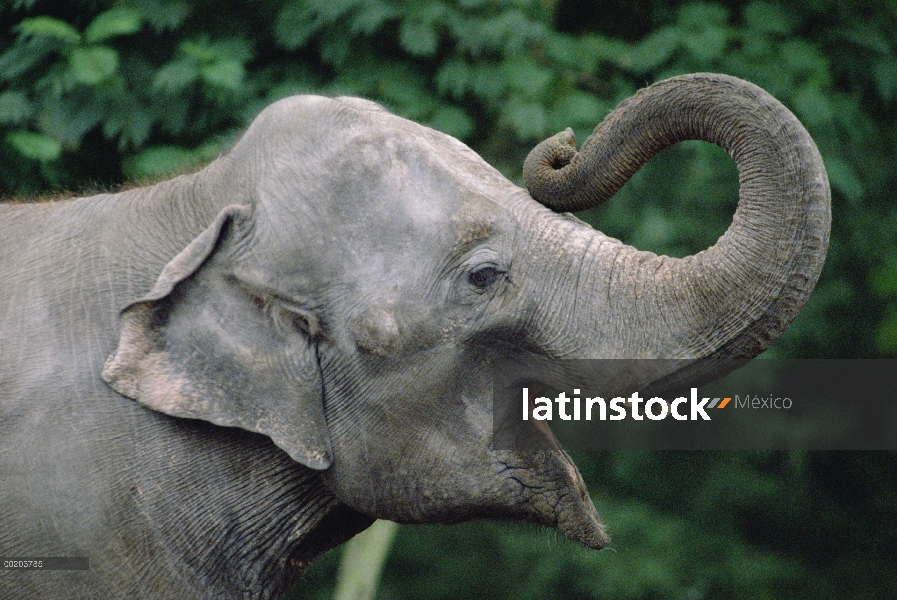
(209,381)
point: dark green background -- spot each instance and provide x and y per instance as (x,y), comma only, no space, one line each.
(93,94)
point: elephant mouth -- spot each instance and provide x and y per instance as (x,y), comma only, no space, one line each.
(545,481)
(551,492)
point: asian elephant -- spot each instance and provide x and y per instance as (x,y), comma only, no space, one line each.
(209,381)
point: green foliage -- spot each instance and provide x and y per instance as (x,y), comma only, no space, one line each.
(168,160)
(50,28)
(32,145)
(14,107)
(93,65)
(113,23)
(93,93)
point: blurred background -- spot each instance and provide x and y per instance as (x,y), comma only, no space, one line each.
(94,94)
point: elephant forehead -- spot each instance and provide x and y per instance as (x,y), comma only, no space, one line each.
(412,185)
(355,163)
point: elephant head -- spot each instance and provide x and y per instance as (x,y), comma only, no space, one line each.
(363,271)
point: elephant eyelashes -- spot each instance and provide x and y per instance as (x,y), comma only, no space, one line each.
(484,277)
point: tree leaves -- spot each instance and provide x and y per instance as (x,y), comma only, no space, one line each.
(113,23)
(93,65)
(14,107)
(295,24)
(419,39)
(49,27)
(35,146)
(453,121)
(156,161)
(769,17)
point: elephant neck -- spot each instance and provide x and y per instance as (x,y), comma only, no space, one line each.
(125,238)
(267,550)
(136,232)
(163,218)
(234,515)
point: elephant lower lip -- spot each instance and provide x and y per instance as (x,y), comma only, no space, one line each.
(581,524)
(576,516)
(556,496)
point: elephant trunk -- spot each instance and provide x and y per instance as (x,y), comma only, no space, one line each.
(733,299)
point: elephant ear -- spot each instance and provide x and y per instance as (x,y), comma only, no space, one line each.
(201,345)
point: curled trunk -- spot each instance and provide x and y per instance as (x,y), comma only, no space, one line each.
(733,299)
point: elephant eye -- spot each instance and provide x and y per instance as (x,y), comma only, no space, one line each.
(484,277)
(286,316)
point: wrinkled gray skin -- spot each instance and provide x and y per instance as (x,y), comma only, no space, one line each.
(208,382)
